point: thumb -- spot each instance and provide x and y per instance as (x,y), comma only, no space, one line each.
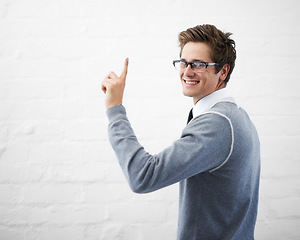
(125,68)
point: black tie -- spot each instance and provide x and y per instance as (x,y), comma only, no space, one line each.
(190,116)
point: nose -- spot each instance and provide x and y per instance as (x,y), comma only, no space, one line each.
(189,71)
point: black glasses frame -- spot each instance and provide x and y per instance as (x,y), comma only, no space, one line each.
(193,64)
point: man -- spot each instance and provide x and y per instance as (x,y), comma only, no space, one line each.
(217,158)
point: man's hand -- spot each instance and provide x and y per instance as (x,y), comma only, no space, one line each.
(113,87)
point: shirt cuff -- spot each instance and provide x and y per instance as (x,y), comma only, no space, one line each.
(116,112)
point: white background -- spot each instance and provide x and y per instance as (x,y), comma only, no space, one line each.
(59,178)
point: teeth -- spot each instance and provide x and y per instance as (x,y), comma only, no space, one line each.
(190,82)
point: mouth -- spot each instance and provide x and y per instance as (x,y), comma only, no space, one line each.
(191,82)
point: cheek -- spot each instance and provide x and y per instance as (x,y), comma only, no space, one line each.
(181,75)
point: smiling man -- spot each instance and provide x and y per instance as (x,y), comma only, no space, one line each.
(197,72)
(217,158)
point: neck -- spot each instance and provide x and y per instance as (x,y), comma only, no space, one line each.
(221,85)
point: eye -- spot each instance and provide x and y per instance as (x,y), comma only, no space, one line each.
(199,64)
(183,64)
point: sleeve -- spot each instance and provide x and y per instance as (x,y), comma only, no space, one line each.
(205,144)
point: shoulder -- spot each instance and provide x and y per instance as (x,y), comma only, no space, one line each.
(220,113)
(214,131)
(212,125)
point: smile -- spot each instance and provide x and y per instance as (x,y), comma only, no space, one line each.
(190,82)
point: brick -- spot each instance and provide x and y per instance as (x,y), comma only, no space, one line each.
(113,173)
(286,187)
(107,193)
(38,9)
(13,173)
(78,214)
(75,173)
(50,232)
(48,194)
(14,153)
(278,229)
(287,208)
(11,233)
(31,215)
(10,193)
(61,152)
(28,89)
(139,212)
(118,231)
(85,130)
(165,231)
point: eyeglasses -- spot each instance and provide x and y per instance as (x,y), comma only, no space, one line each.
(197,66)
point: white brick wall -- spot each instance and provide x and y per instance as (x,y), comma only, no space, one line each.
(59,178)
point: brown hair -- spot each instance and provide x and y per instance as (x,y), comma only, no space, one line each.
(222,47)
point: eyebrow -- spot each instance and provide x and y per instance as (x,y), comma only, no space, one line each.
(193,60)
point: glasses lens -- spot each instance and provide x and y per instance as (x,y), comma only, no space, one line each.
(196,66)
(179,65)
(199,67)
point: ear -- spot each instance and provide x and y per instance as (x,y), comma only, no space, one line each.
(224,72)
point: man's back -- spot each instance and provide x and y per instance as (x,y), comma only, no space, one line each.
(221,203)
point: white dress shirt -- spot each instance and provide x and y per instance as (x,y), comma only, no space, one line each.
(222,95)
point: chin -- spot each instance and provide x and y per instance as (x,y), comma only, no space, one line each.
(187,94)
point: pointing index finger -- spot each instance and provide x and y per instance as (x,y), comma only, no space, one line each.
(125,68)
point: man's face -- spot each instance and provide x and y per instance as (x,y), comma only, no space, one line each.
(195,84)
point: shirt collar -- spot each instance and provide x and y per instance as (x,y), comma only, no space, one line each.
(222,95)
